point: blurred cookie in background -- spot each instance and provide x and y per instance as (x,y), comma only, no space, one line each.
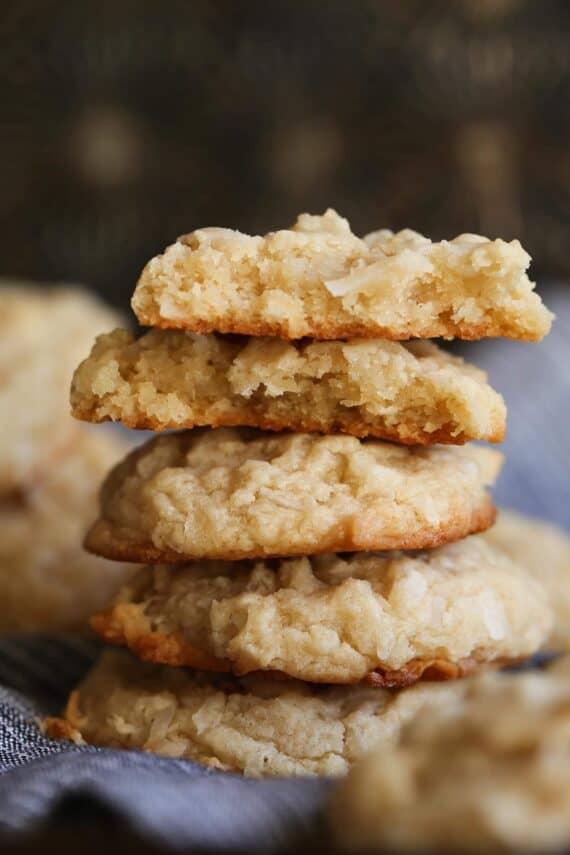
(44,332)
(258,725)
(50,466)
(544,550)
(436,615)
(47,580)
(487,772)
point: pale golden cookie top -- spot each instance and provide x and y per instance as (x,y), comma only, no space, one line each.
(239,493)
(318,279)
(44,332)
(488,772)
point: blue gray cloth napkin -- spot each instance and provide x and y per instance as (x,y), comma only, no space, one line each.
(178,804)
(181,805)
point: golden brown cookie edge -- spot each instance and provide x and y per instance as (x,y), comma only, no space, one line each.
(125,625)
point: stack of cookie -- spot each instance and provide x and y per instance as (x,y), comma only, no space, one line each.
(278,563)
(50,466)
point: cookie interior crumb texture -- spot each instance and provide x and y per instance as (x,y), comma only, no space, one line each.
(334,619)
(238,493)
(318,279)
(44,332)
(412,393)
(256,725)
(487,772)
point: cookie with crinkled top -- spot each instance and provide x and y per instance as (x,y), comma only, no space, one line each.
(256,725)
(237,493)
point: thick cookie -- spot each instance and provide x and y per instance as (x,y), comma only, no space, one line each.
(256,725)
(545,552)
(320,280)
(237,493)
(412,393)
(47,581)
(389,619)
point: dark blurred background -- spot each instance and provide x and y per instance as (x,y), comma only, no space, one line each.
(127,122)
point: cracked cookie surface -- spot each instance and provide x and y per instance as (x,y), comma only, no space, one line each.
(236,493)
(334,619)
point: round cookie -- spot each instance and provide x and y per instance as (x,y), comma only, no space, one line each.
(44,332)
(47,580)
(238,493)
(545,552)
(256,725)
(411,392)
(319,280)
(488,772)
(388,619)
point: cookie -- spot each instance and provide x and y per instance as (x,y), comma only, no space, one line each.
(386,618)
(487,772)
(47,581)
(256,725)
(545,552)
(237,493)
(319,280)
(412,393)
(44,332)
